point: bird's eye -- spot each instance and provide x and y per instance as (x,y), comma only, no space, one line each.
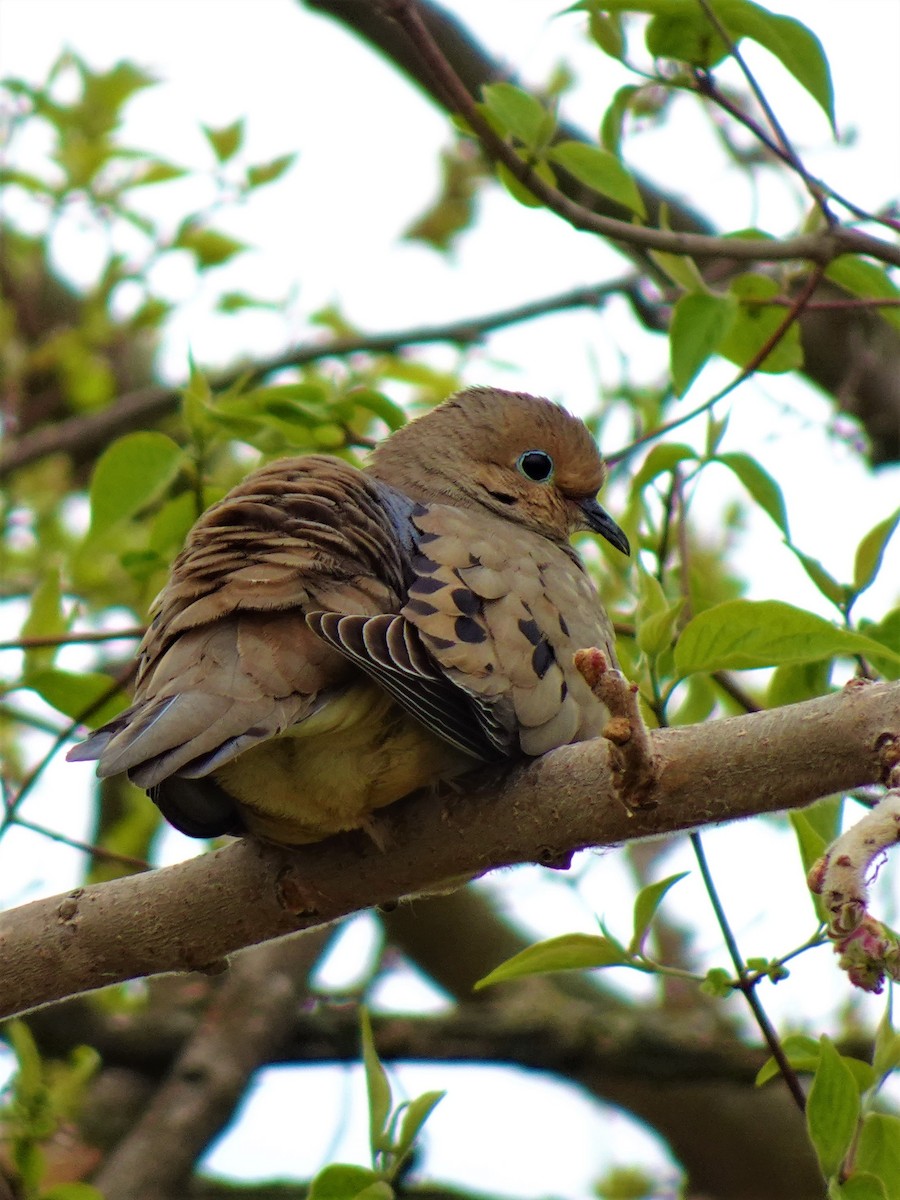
(536,465)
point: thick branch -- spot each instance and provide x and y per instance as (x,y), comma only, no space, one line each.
(247,1023)
(190,915)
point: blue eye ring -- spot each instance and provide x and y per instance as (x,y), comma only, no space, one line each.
(536,465)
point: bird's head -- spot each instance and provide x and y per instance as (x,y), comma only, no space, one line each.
(518,456)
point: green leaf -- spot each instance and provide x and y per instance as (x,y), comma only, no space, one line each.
(859,1187)
(878,1151)
(826,583)
(600,170)
(886,1056)
(129,475)
(870,552)
(517,112)
(76,694)
(209,247)
(614,118)
(569,952)
(793,682)
(269,171)
(802,1053)
(378,1088)
(760,484)
(754,323)
(832,1108)
(415,1114)
(341,1181)
(46,618)
(686,36)
(868,280)
(662,458)
(745,634)
(156,171)
(646,903)
(815,828)
(656,633)
(225,141)
(798,49)
(607,32)
(380,406)
(518,190)
(699,322)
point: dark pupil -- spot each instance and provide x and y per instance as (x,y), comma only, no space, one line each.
(537,465)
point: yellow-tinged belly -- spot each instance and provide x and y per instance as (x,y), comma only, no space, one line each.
(358,753)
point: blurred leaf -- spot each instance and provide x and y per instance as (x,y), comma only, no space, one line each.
(656,632)
(380,406)
(661,459)
(744,634)
(209,247)
(815,829)
(646,903)
(230,302)
(607,32)
(75,695)
(378,1089)
(878,1152)
(518,113)
(796,47)
(570,952)
(600,170)
(870,552)
(46,618)
(866,279)
(156,171)
(268,172)
(686,36)
(518,190)
(614,118)
(826,583)
(886,1055)
(344,1182)
(760,484)
(453,210)
(832,1108)
(754,324)
(225,141)
(860,1186)
(415,1114)
(699,322)
(801,1051)
(129,474)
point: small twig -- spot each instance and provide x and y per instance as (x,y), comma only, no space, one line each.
(792,157)
(821,247)
(12,806)
(632,761)
(797,307)
(747,983)
(69,639)
(126,860)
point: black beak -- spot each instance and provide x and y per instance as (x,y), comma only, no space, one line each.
(599,520)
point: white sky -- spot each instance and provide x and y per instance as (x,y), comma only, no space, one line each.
(329,232)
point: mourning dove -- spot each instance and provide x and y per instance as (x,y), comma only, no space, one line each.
(332,639)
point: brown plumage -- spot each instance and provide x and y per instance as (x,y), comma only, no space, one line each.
(332,639)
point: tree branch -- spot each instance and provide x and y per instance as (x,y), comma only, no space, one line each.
(854,356)
(188,916)
(246,1024)
(135,410)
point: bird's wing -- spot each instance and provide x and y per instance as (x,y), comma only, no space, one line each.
(229,660)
